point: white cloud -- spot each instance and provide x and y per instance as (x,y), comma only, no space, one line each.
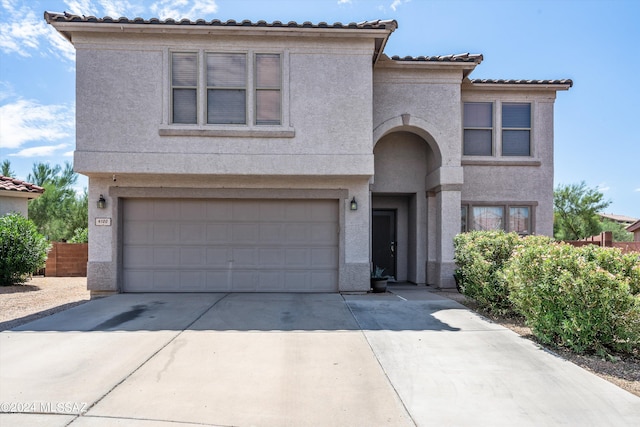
(68,154)
(60,46)
(6,90)
(102,8)
(41,151)
(81,7)
(344,1)
(23,121)
(397,3)
(179,9)
(637,190)
(603,187)
(23,31)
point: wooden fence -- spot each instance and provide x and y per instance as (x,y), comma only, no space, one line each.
(67,260)
(605,239)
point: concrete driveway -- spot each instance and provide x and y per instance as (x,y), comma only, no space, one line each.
(398,359)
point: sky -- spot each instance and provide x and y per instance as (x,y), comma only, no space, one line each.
(594,43)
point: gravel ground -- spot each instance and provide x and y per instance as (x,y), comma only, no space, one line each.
(43,296)
(40,297)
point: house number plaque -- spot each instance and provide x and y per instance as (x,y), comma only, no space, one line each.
(103,221)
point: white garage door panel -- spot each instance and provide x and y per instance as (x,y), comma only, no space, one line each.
(230,245)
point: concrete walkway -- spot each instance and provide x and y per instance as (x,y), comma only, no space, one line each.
(398,359)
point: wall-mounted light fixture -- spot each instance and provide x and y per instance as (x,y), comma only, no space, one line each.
(354,204)
(102,203)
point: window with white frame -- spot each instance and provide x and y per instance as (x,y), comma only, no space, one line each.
(515,218)
(233,84)
(478,129)
(268,89)
(184,87)
(516,129)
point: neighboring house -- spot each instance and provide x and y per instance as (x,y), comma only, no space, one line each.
(635,229)
(254,156)
(15,195)
(620,219)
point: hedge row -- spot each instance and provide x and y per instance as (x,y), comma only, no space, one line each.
(586,298)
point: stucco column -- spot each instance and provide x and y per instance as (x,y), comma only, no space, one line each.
(445,186)
(447,202)
(101,266)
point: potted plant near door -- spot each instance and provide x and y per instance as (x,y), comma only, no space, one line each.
(378,280)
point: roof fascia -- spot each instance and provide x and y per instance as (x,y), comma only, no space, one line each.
(466,67)
(19,194)
(543,87)
(68,28)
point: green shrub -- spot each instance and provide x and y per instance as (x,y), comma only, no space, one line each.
(480,256)
(80,235)
(22,249)
(580,298)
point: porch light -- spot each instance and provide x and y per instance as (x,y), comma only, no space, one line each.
(354,204)
(102,203)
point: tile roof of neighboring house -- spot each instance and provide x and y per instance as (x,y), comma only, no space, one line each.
(461,57)
(523,82)
(634,227)
(389,24)
(13,184)
(618,218)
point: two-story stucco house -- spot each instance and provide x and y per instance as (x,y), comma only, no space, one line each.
(267,157)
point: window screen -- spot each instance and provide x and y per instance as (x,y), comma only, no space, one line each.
(516,129)
(478,132)
(184,82)
(268,85)
(226,88)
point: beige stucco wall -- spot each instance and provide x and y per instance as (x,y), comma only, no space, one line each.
(13,204)
(516,179)
(122,106)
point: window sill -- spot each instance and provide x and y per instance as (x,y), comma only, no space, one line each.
(501,162)
(279,132)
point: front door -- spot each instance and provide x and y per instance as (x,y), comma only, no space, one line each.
(384,240)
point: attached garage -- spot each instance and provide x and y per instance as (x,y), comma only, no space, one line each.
(229,245)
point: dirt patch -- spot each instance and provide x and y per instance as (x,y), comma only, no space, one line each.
(623,371)
(40,297)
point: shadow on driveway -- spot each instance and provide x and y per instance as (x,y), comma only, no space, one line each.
(248,312)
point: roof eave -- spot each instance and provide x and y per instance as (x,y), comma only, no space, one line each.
(519,86)
(67,28)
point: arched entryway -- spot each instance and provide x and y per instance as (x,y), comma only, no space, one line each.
(403,159)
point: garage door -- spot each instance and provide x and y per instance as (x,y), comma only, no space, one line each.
(230,245)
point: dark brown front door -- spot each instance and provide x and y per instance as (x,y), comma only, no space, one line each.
(384,240)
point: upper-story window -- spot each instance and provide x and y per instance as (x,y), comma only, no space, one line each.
(514,126)
(516,129)
(229,93)
(478,128)
(268,89)
(184,87)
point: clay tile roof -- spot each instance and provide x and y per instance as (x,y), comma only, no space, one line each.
(13,184)
(371,25)
(634,227)
(461,57)
(524,82)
